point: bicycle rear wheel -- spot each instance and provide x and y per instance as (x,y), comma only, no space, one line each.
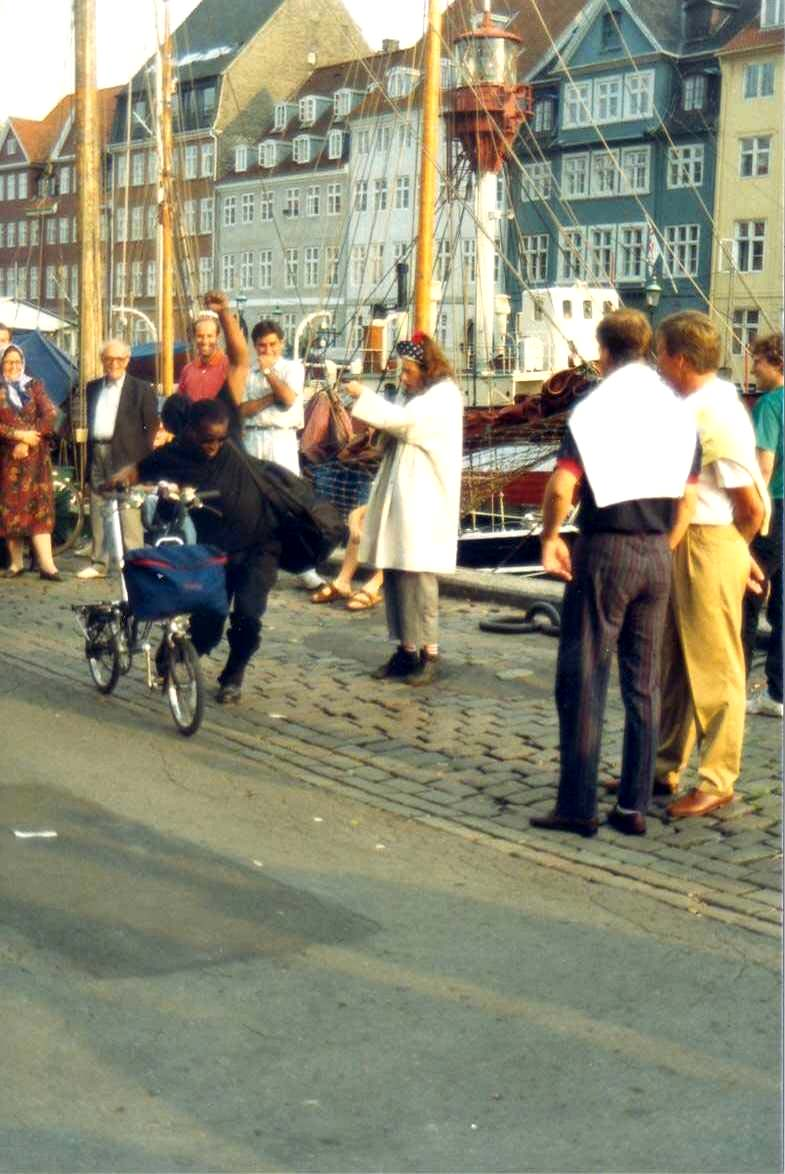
(103,655)
(184,686)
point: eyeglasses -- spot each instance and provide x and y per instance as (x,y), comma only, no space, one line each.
(116,358)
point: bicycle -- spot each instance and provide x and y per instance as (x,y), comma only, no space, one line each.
(114,635)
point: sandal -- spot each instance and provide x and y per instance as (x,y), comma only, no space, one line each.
(327,593)
(363,600)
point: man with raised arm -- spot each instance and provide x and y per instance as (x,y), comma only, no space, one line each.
(213,373)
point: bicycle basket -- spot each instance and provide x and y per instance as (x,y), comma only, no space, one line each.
(173,580)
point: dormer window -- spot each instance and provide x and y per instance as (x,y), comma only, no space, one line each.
(307,111)
(771,14)
(694,93)
(241,158)
(282,113)
(401,81)
(10,145)
(272,152)
(344,102)
(302,149)
(610,35)
(335,144)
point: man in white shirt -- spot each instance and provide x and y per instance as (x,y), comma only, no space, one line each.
(703,670)
(122,421)
(273,408)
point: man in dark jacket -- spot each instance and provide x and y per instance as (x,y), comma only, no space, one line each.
(122,422)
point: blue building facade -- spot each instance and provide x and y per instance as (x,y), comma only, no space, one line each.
(617,165)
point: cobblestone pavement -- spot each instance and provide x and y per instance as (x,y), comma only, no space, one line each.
(476,754)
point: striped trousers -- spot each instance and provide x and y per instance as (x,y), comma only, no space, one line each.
(616,602)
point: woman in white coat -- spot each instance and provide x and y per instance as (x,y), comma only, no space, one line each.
(411,527)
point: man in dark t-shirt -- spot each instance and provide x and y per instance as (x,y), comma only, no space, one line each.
(632,449)
(244,527)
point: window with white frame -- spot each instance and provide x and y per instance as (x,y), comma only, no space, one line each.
(536,181)
(10,146)
(137,279)
(265,269)
(406,136)
(754,156)
(137,222)
(607,99)
(632,252)
(363,142)
(694,92)
(51,228)
(301,149)
(639,94)
(2,187)
(288,326)
(152,167)
(152,221)
(759,80)
(189,217)
(402,192)
(342,103)
(384,137)
(291,206)
(190,161)
(749,237)
(22,274)
(635,166)
(447,79)
(22,186)
(280,116)
(64,180)
(357,269)
(138,169)
(685,166)
(335,144)
(51,281)
(602,253)
(442,263)
(442,323)
(401,81)
(682,249)
(229,211)
(21,232)
(268,154)
(577,105)
(313,201)
(469,258)
(307,111)
(331,258)
(543,115)
(241,157)
(227,271)
(604,173)
(33,283)
(535,257)
(358,330)
(35,231)
(380,194)
(361,195)
(311,266)
(291,268)
(746,323)
(120,171)
(574,176)
(206,160)
(205,274)
(11,187)
(771,13)
(376,262)
(501,192)
(120,230)
(246,269)
(247,208)
(333,199)
(266,206)
(572,254)
(119,280)
(152,280)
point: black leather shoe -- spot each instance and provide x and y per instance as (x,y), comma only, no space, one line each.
(51,576)
(630,823)
(557,823)
(425,672)
(400,664)
(229,695)
(14,574)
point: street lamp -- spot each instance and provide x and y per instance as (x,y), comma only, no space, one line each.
(653,292)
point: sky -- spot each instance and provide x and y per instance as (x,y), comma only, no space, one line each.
(38,64)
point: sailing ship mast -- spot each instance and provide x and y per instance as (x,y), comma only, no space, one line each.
(165,214)
(88,172)
(423,277)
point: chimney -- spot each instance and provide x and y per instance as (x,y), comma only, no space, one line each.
(390,46)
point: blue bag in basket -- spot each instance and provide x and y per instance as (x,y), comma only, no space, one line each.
(173,580)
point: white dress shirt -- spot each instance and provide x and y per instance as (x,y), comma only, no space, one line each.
(106,405)
(714,505)
(271,435)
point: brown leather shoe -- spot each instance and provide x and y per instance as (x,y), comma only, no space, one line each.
(553,822)
(630,823)
(660,787)
(697,802)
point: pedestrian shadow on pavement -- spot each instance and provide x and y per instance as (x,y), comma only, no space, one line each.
(119,899)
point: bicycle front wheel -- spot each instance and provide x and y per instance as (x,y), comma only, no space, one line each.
(185,686)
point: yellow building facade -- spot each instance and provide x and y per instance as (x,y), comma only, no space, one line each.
(747,267)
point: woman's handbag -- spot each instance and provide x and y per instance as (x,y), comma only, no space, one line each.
(328,427)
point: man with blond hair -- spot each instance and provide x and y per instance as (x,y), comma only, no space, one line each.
(703,674)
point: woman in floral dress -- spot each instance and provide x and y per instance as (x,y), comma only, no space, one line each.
(27,421)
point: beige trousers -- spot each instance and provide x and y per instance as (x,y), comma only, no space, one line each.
(703,672)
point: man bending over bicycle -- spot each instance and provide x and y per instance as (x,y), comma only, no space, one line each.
(245,529)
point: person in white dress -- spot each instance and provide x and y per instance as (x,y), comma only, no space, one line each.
(411,527)
(272,408)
